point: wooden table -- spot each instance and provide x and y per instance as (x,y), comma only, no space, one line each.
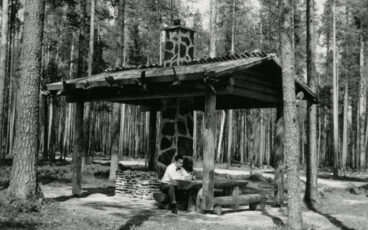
(227,193)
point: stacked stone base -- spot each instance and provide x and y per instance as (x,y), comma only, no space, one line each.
(136,184)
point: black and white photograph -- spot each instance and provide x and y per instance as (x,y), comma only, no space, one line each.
(183,114)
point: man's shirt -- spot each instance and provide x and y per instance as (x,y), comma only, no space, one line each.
(172,173)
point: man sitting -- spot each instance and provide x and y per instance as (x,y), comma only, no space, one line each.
(174,171)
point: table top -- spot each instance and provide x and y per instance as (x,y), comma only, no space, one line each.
(218,183)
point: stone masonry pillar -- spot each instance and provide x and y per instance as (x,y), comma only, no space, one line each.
(176,126)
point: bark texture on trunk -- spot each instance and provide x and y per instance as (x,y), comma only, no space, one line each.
(362,107)
(311,192)
(120,41)
(23,182)
(79,110)
(213,13)
(229,137)
(335,98)
(291,131)
(279,160)
(221,134)
(345,129)
(3,68)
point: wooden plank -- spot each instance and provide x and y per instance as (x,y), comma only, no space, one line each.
(209,151)
(135,95)
(223,183)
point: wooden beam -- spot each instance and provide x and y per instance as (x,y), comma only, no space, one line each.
(152,140)
(209,150)
(78,150)
(245,77)
(255,86)
(257,95)
(131,96)
(238,200)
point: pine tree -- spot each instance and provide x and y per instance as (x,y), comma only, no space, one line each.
(311,192)
(23,182)
(291,133)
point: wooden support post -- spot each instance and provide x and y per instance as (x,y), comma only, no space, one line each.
(235,194)
(209,150)
(152,140)
(78,149)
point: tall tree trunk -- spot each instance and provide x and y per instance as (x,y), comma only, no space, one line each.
(51,129)
(79,110)
(221,134)
(195,128)
(311,190)
(279,160)
(121,38)
(23,181)
(291,132)
(345,128)
(262,149)
(362,106)
(3,69)
(87,115)
(213,13)
(335,98)
(229,137)
(122,129)
(230,112)
(243,132)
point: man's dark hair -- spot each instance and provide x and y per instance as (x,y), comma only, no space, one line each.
(179,156)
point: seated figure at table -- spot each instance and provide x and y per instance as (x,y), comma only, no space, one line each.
(174,171)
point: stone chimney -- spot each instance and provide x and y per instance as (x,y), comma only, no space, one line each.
(176,125)
(179,44)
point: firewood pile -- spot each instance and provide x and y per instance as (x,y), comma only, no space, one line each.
(136,184)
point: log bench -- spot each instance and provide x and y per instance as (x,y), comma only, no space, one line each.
(227,193)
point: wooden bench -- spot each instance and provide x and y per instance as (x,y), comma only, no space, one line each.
(234,201)
(227,193)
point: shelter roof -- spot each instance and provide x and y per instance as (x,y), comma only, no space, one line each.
(246,80)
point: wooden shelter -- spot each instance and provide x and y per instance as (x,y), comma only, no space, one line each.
(183,84)
(239,81)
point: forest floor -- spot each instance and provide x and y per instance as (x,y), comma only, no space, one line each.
(344,204)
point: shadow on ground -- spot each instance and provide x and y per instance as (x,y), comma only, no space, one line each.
(343,178)
(276,220)
(4,185)
(137,219)
(108,191)
(13,224)
(333,220)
